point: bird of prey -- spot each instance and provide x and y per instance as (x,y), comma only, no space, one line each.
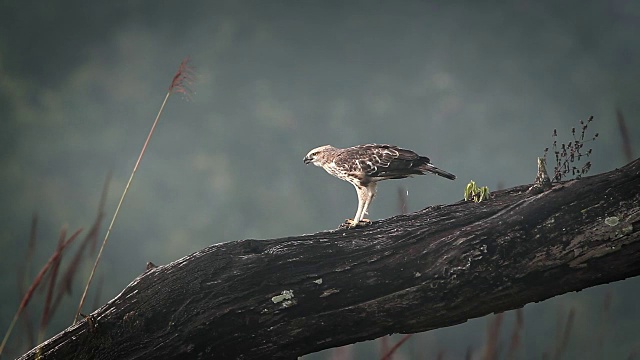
(364,165)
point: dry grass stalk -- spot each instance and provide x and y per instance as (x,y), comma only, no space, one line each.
(395,347)
(516,335)
(493,334)
(568,155)
(180,84)
(342,353)
(90,238)
(34,285)
(469,354)
(603,329)
(46,313)
(25,275)
(384,345)
(624,132)
(565,336)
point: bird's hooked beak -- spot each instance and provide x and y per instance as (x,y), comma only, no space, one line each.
(307,160)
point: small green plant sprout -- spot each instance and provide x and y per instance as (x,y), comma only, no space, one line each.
(569,155)
(475,193)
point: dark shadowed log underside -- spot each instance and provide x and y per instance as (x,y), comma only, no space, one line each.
(281,298)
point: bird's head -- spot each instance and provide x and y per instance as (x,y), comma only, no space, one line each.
(316,155)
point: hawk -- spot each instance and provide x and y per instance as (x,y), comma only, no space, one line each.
(364,165)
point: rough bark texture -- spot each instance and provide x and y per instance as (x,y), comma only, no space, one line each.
(282,298)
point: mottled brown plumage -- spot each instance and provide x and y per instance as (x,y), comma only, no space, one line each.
(365,165)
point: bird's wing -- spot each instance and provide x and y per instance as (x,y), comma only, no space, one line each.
(380,161)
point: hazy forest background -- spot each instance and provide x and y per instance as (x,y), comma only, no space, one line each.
(479,88)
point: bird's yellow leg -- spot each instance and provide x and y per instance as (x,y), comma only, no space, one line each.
(361,202)
(364,198)
(369,194)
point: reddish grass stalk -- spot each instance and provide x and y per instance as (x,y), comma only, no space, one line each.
(395,347)
(514,344)
(91,237)
(342,353)
(624,132)
(564,338)
(29,328)
(46,312)
(384,345)
(38,279)
(493,332)
(24,276)
(469,354)
(31,248)
(603,329)
(95,229)
(180,83)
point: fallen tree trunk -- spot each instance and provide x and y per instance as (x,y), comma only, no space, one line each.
(282,298)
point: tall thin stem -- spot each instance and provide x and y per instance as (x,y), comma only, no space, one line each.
(115,214)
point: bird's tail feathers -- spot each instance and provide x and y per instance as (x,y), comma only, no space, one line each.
(434,170)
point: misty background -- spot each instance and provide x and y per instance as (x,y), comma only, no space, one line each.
(477,87)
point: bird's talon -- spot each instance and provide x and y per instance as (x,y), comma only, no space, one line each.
(350,224)
(347,224)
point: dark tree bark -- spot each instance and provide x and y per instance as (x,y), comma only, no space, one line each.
(282,298)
